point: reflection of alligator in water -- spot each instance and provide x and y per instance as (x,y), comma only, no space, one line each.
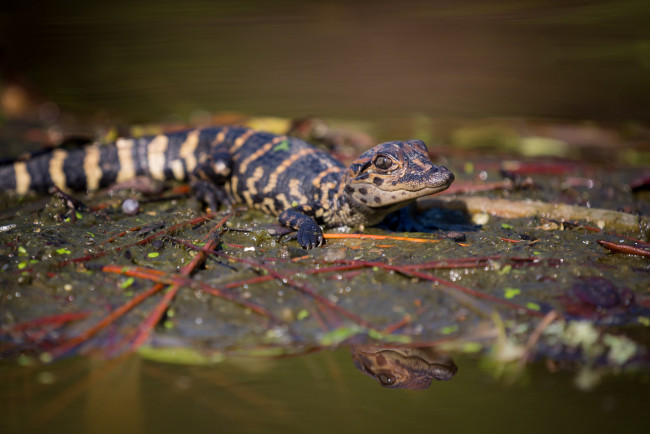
(403,368)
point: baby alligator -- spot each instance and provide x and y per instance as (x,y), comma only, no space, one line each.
(284,176)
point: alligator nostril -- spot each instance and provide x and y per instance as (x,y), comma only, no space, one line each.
(450,174)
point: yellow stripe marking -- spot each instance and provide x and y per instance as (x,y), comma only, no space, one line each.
(250,185)
(177,169)
(156,156)
(91,167)
(23,179)
(325,189)
(232,186)
(318,179)
(257,175)
(221,136)
(56,168)
(294,189)
(239,141)
(125,156)
(187,151)
(283,198)
(273,179)
(261,151)
(268,205)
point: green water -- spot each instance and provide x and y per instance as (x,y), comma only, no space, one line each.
(373,60)
(316,393)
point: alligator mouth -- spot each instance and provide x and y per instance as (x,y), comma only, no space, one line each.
(441,179)
(435,182)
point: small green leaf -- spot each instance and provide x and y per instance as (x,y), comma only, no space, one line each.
(340,334)
(282,146)
(63,251)
(128,282)
(22,265)
(302,314)
(22,251)
(447,330)
(45,357)
(506,226)
(25,360)
(533,306)
(294,204)
(379,336)
(472,347)
(179,355)
(511,292)
(153,254)
(644,320)
(505,270)
(78,215)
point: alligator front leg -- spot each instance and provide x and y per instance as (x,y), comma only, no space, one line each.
(210,194)
(299,218)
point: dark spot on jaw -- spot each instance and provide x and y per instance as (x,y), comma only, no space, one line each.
(392,196)
(363,176)
(377,199)
(363,200)
(348,189)
(363,190)
(394,183)
(378,181)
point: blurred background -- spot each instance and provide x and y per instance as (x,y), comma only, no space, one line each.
(382,61)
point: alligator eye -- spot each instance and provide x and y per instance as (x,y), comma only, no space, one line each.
(383,163)
(386,379)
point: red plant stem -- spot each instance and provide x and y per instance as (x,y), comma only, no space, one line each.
(55,320)
(176,280)
(624,248)
(104,322)
(302,287)
(509,240)
(407,319)
(336,236)
(154,317)
(455,263)
(392,328)
(430,277)
(144,331)
(120,311)
(101,253)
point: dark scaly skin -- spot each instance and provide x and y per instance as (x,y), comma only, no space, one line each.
(284,176)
